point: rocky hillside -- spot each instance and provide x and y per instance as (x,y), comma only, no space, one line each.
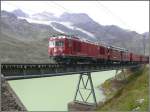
(22,29)
(20,13)
(24,37)
(21,41)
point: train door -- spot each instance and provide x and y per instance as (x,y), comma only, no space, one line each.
(109,54)
(131,57)
(69,46)
(76,47)
(102,52)
(122,56)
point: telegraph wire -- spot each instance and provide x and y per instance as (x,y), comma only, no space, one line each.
(109,12)
(62,7)
(112,13)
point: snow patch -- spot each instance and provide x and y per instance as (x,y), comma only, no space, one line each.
(56,28)
(70,26)
(88,33)
(35,21)
(66,24)
(41,22)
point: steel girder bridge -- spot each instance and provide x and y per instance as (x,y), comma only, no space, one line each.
(16,71)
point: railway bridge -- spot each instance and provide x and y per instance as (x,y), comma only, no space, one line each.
(16,71)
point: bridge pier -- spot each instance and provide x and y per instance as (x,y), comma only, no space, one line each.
(85,83)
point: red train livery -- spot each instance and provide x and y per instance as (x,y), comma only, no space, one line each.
(68,48)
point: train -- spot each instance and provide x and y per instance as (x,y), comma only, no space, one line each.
(65,48)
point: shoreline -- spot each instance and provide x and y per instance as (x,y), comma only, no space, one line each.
(9,99)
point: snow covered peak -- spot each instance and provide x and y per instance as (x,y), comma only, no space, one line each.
(46,16)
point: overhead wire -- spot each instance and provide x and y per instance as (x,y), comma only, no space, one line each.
(62,7)
(109,12)
(113,14)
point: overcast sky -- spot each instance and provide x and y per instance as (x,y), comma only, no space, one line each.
(133,15)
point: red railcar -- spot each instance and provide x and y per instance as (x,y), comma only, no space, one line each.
(103,52)
(62,46)
(114,55)
(65,47)
(134,57)
(56,47)
(118,54)
(145,59)
(125,55)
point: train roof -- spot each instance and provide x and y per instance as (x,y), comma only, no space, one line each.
(62,35)
(118,48)
(59,36)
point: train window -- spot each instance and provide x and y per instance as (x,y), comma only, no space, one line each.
(59,43)
(51,43)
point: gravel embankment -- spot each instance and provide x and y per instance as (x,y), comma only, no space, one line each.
(10,102)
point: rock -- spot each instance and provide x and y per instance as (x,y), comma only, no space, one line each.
(9,100)
(73,106)
(140,101)
(136,109)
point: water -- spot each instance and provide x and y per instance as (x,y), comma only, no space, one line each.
(54,93)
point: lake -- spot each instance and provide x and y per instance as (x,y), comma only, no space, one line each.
(54,93)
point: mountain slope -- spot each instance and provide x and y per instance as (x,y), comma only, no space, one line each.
(45,16)
(20,13)
(17,51)
(23,30)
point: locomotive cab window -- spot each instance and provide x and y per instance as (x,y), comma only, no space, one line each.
(59,43)
(51,43)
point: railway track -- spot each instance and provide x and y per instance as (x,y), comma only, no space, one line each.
(14,71)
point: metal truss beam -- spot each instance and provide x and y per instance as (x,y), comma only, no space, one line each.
(26,71)
(84,80)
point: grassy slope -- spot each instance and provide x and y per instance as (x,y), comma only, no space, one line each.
(14,50)
(125,98)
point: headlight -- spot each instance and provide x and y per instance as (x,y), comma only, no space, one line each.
(61,49)
(55,50)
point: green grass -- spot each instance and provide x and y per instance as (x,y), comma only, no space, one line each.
(125,98)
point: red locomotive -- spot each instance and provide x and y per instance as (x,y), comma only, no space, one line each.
(69,48)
